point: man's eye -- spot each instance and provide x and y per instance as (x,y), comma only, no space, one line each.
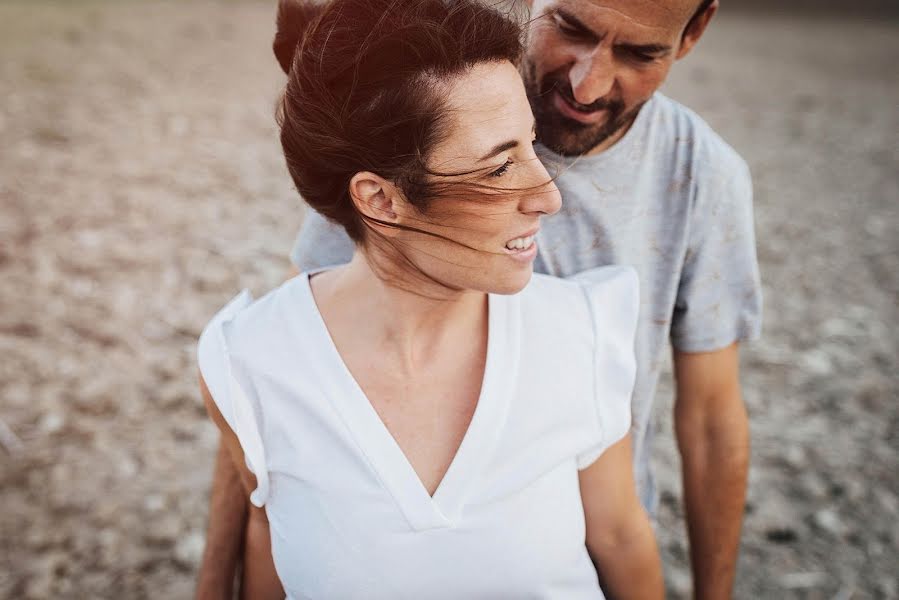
(644,58)
(567,29)
(501,171)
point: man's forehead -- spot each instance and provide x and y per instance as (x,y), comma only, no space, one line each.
(647,14)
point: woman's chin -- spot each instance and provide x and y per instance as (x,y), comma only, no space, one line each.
(509,283)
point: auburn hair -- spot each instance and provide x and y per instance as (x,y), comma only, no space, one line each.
(363,91)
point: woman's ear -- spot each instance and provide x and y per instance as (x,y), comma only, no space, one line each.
(374,197)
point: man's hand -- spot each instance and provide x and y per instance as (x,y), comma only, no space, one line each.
(228,512)
(713,437)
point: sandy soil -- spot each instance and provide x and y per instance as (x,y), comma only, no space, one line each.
(141,186)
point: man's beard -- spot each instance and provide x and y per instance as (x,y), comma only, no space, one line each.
(563,135)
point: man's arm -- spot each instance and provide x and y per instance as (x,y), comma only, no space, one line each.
(228,512)
(712,430)
(620,539)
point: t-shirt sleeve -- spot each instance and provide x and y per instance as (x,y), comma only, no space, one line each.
(614,299)
(232,393)
(320,243)
(719,298)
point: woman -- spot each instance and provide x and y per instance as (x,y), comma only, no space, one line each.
(428,421)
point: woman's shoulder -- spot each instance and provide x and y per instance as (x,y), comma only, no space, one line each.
(602,287)
(247,325)
(577,314)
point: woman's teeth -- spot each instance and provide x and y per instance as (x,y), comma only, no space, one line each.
(520,243)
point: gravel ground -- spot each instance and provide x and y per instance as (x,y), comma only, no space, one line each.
(141,186)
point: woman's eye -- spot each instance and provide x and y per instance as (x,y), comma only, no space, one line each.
(500,171)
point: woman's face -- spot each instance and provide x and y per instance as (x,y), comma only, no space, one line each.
(490,228)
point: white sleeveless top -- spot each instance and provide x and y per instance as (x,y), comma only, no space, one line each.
(349,517)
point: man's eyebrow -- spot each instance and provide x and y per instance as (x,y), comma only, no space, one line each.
(574,22)
(647,48)
(502,147)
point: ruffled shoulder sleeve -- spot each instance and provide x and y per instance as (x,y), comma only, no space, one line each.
(232,393)
(613,296)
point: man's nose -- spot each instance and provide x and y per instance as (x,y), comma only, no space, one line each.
(592,76)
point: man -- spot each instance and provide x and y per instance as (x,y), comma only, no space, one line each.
(645,182)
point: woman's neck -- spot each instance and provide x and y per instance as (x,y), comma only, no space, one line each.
(411,326)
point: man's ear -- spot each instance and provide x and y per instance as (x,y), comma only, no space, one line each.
(695,28)
(374,197)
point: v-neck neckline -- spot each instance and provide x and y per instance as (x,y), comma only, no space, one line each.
(382,451)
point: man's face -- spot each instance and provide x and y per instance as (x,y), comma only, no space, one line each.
(590,65)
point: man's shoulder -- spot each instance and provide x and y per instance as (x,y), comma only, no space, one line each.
(689,134)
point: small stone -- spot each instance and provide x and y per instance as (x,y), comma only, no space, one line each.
(127,467)
(48,568)
(814,485)
(798,581)
(855,490)
(888,587)
(39,587)
(164,531)
(829,521)
(154,503)
(51,423)
(781,535)
(37,539)
(680,582)
(839,328)
(816,362)
(796,457)
(189,549)
(108,538)
(887,501)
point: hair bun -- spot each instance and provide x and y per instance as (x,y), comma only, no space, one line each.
(294,19)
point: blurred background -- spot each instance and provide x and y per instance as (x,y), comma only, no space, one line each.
(141,186)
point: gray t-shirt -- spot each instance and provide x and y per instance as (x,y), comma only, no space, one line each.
(671,199)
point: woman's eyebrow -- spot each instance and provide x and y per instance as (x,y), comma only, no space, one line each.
(505,146)
(499,148)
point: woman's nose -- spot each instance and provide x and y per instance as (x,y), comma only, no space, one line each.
(544,198)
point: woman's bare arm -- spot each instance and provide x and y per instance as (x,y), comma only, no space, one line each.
(260,580)
(620,538)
